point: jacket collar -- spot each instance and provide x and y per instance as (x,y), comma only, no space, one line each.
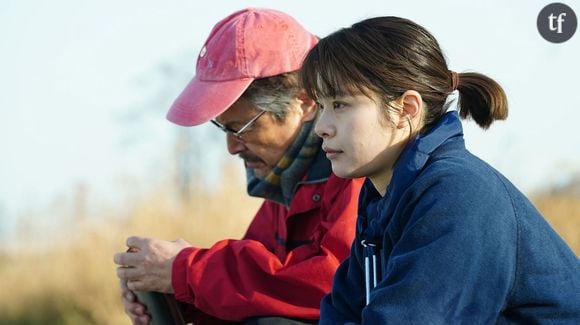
(416,154)
(412,160)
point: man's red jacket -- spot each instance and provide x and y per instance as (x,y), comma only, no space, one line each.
(284,264)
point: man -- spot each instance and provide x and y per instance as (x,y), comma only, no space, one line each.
(246,84)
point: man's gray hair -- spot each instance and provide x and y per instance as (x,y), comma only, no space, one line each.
(274,94)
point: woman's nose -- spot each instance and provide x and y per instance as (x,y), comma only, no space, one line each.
(323,127)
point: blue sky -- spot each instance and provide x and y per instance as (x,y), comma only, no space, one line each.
(83,94)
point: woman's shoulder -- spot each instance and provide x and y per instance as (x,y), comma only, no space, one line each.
(464,181)
(463,169)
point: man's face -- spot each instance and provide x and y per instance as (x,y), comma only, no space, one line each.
(263,144)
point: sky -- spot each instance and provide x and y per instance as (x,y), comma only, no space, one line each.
(85,85)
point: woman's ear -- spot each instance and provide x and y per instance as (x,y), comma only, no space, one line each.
(308,106)
(411,104)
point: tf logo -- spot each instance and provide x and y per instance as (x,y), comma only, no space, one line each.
(557,23)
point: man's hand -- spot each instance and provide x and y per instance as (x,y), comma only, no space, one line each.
(147,265)
(133,308)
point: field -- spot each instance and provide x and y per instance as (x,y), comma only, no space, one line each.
(72,280)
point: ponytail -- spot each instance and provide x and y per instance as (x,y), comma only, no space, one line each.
(481,98)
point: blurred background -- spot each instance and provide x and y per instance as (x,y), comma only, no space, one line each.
(87,157)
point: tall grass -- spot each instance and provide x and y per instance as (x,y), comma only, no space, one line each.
(74,282)
(563,213)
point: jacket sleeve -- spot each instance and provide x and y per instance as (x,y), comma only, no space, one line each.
(237,279)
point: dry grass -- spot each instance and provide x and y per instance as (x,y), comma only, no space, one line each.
(74,282)
(563,213)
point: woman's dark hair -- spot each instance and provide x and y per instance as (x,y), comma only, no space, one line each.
(390,55)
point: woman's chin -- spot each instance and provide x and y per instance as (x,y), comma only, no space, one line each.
(340,172)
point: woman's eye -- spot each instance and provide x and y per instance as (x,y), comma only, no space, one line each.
(320,106)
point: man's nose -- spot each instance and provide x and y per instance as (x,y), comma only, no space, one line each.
(235,144)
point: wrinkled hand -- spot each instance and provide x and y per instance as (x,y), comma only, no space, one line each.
(133,308)
(147,265)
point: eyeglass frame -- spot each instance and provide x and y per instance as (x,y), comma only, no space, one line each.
(238,134)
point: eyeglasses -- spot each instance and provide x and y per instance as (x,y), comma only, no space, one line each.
(238,134)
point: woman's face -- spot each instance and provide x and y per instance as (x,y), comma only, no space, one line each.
(359,139)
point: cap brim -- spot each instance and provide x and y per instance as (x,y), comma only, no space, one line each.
(202,101)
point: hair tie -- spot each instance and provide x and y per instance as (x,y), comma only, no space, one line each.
(454,80)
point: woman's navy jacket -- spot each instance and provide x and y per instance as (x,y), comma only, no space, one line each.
(454,243)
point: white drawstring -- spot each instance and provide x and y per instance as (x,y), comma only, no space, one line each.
(370,266)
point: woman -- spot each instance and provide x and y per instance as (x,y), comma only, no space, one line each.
(442,237)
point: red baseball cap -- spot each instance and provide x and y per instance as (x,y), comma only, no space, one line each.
(247,45)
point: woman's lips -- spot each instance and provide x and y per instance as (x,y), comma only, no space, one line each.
(331,153)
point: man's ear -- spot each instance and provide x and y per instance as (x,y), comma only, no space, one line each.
(411,103)
(308,106)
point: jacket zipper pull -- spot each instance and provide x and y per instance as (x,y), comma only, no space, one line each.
(371,256)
